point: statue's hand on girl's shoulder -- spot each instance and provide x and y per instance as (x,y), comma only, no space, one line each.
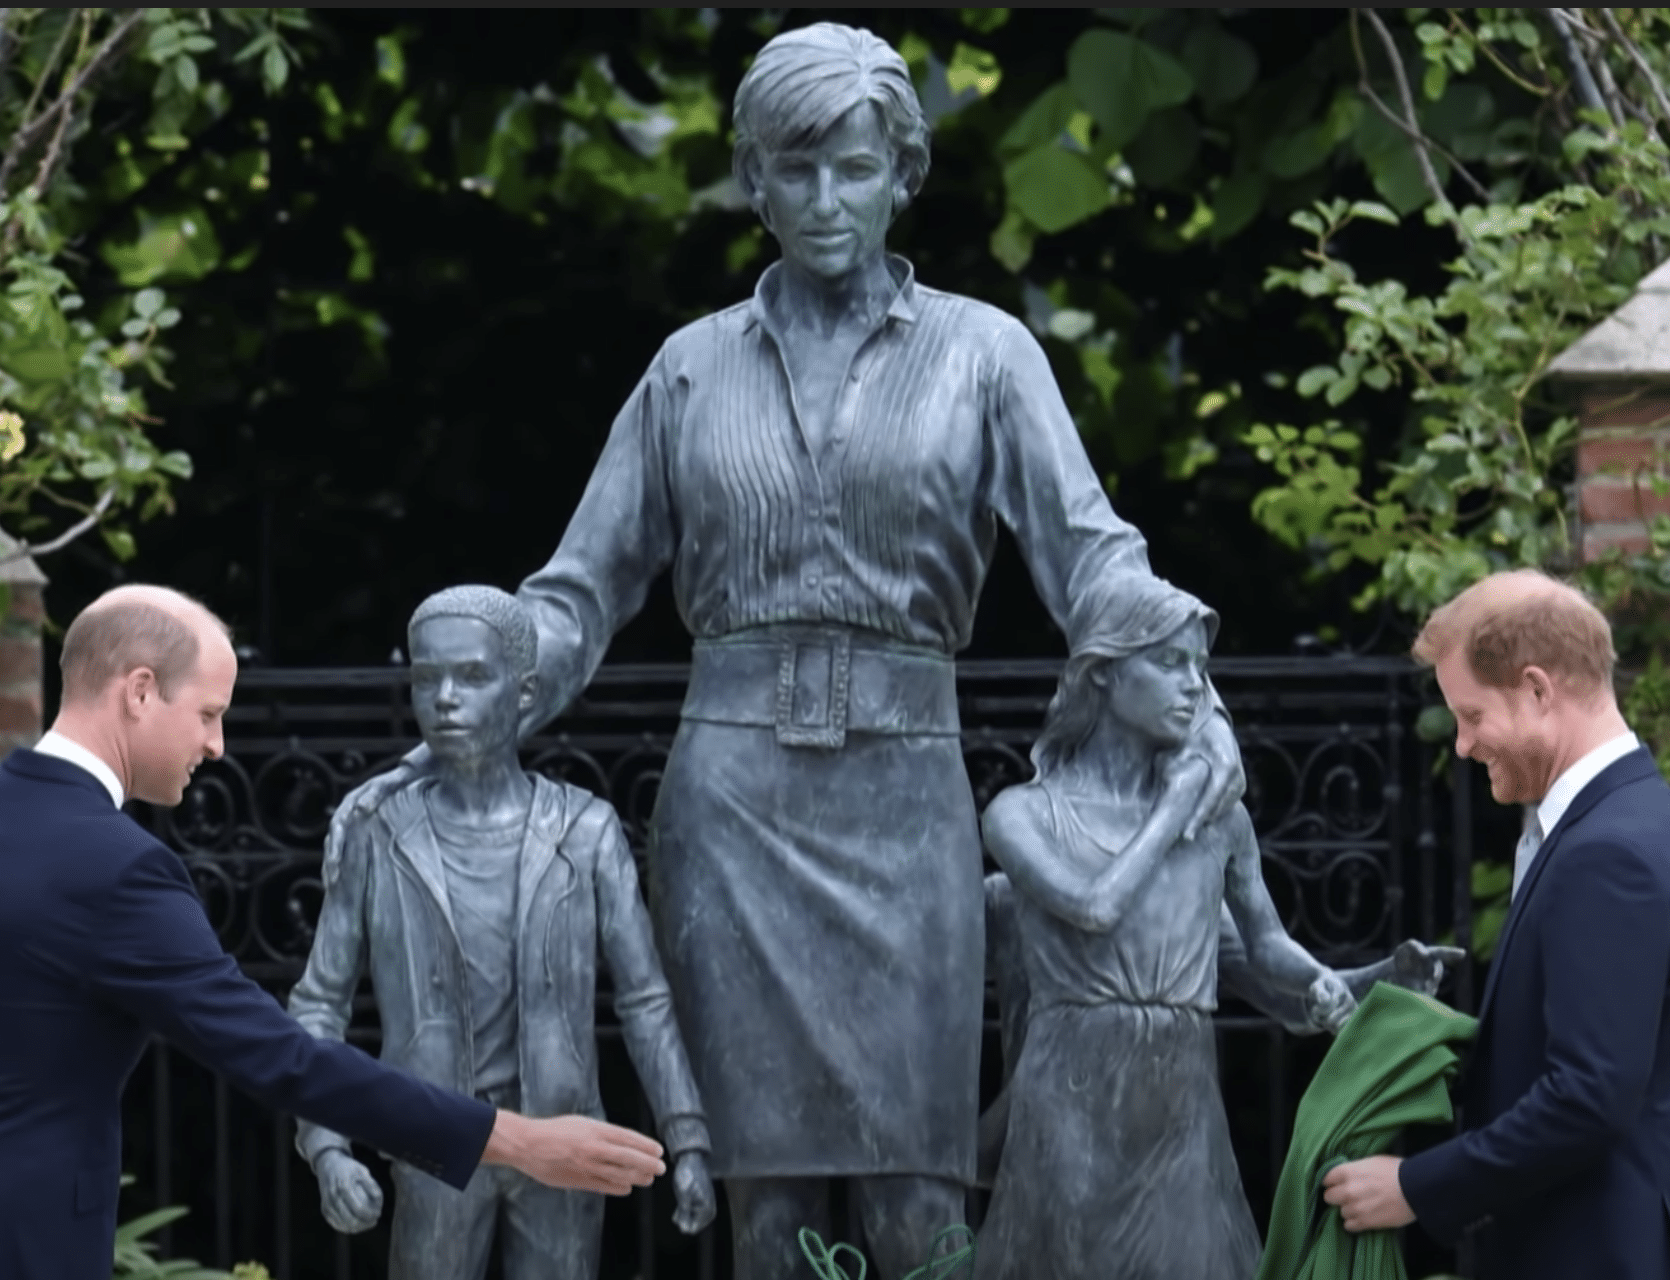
(1184,774)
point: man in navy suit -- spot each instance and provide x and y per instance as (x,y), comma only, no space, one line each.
(104,943)
(1563,1163)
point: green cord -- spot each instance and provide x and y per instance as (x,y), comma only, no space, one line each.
(825,1265)
(822,1257)
(952,1263)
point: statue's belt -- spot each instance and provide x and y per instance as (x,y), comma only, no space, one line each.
(816,685)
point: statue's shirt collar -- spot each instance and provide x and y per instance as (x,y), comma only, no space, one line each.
(762,307)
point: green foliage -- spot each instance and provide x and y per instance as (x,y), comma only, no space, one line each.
(1474,489)
(1646,706)
(136,1257)
(1134,247)
(77,452)
(1492,890)
(1476,482)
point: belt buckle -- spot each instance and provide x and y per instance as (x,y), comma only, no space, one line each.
(831,730)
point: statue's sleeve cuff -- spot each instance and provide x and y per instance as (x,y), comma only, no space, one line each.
(313,1141)
(681,1134)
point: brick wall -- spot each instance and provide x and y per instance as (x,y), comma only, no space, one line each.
(20,650)
(1623,444)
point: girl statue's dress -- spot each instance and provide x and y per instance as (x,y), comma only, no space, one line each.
(1118,1163)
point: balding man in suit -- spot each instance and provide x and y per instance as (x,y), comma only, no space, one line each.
(104,943)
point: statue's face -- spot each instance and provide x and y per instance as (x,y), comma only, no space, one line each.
(829,203)
(466,697)
(1158,690)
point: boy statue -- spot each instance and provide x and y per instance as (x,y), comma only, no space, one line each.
(479,897)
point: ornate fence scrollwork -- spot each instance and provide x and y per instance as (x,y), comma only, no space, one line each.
(1339,791)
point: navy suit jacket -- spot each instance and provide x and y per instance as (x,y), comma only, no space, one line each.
(1564,1158)
(104,942)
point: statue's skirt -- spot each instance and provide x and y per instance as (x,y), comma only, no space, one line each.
(820,916)
(1118,1160)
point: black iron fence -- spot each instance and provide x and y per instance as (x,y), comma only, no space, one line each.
(1364,840)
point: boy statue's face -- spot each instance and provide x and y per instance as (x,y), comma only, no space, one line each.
(466,698)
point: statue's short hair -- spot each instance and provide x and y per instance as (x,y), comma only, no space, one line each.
(1517,619)
(500,610)
(129,628)
(805,80)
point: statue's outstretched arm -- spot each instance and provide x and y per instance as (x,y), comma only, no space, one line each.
(1274,962)
(1045,491)
(1237,977)
(618,541)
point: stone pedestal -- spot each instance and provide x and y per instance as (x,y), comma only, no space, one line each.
(21,613)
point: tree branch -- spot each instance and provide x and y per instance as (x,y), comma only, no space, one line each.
(30,132)
(25,550)
(43,175)
(7,44)
(1654,84)
(1410,124)
(1596,43)
(1587,91)
(20,141)
(1500,63)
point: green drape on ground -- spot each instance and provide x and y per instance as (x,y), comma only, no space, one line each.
(1390,1067)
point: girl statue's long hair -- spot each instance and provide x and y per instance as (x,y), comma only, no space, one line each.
(1114,615)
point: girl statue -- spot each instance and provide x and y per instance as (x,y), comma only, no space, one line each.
(1117,1157)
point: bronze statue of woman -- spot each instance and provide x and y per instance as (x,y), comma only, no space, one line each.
(824,468)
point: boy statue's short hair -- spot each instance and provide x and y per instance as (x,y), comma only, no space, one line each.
(500,610)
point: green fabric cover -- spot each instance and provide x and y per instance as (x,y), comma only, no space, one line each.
(1390,1067)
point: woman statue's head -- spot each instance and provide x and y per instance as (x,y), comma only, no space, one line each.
(1138,656)
(831,143)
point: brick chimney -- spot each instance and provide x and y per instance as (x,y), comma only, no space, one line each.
(21,613)
(1620,372)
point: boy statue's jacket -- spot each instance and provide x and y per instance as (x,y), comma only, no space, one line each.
(387,909)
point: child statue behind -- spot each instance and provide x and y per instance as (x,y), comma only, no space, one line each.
(1117,1158)
(479,896)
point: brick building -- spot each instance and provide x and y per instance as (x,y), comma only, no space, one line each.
(21,614)
(1620,374)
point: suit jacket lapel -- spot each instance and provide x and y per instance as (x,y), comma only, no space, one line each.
(414,839)
(1635,766)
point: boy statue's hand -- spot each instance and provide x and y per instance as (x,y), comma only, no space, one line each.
(693,1189)
(350,1197)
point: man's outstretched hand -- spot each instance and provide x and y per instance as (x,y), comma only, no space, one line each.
(1368,1193)
(575,1153)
